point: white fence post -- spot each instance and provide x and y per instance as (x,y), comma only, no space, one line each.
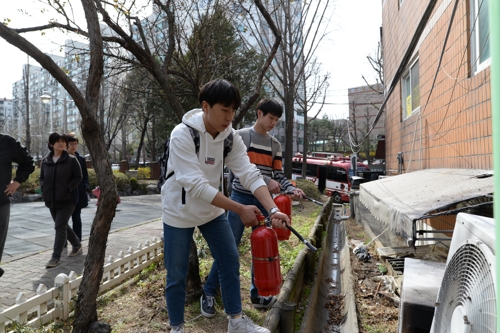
(42,308)
(22,318)
(62,302)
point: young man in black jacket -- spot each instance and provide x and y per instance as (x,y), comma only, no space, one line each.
(11,151)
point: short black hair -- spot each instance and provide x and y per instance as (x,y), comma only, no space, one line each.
(71,138)
(220,91)
(54,137)
(268,105)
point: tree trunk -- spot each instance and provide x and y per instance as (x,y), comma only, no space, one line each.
(193,281)
(141,142)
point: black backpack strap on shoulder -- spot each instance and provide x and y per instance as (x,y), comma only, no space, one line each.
(166,152)
(196,137)
(228,144)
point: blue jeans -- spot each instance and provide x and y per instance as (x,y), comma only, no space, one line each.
(212,284)
(177,242)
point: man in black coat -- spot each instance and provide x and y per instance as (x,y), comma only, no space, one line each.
(80,193)
(11,151)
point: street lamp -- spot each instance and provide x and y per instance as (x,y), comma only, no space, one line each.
(46,99)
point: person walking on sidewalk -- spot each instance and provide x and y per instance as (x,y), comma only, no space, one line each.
(11,151)
(190,198)
(80,193)
(60,173)
(265,152)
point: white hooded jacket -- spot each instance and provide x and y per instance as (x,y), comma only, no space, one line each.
(187,195)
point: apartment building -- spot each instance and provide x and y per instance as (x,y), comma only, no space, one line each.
(364,106)
(6,114)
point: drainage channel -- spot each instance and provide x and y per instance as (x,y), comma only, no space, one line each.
(331,303)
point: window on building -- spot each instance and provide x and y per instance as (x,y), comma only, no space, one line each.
(480,33)
(410,86)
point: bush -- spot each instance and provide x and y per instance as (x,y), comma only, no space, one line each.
(144,173)
(309,188)
(121,181)
(30,185)
(120,178)
(92,179)
(134,183)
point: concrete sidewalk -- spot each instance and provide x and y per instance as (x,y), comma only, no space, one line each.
(31,236)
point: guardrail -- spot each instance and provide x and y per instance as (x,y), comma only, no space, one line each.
(66,287)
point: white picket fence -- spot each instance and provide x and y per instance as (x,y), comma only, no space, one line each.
(66,287)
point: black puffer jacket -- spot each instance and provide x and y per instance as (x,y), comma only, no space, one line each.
(12,151)
(59,179)
(80,193)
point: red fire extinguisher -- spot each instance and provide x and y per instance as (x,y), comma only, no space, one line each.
(284,204)
(265,259)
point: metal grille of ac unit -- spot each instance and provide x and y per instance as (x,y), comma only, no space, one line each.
(467,299)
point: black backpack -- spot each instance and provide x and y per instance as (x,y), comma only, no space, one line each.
(228,145)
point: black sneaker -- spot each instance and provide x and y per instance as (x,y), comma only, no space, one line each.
(52,263)
(262,302)
(1,272)
(75,251)
(207,304)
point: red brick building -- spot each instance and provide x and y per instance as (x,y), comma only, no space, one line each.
(439,113)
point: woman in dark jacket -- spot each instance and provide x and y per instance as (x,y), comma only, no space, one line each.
(60,173)
(80,193)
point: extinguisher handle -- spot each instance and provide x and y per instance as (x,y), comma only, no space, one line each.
(263,220)
(309,245)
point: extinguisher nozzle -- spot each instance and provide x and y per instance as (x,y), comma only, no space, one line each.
(302,239)
(310,246)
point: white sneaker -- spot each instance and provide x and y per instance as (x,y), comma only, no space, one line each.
(177,330)
(244,325)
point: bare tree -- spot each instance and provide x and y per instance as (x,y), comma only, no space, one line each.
(377,63)
(26,86)
(301,25)
(113,109)
(124,38)
(314,85)
(86,310)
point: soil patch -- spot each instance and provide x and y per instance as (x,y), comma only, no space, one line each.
(377,307)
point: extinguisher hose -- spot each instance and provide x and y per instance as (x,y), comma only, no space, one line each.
(309,245)
(312,200)
(309,199)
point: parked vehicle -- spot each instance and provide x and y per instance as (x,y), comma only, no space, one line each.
(336,173)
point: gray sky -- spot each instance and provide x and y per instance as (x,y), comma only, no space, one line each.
(354,35)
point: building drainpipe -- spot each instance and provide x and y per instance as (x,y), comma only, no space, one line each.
(495,115)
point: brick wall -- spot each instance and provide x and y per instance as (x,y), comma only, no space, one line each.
(452,129)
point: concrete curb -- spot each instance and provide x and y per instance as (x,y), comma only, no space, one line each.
(278,318)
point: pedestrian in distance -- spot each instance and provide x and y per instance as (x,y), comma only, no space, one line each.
(60,174)
(265,152)
(80,193)
(11,151)
(190,198)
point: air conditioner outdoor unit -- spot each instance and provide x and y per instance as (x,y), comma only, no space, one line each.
(466,302)
(421,281)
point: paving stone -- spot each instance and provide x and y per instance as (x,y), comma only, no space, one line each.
(138,222)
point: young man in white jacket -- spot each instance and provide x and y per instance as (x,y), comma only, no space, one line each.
(190,198)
